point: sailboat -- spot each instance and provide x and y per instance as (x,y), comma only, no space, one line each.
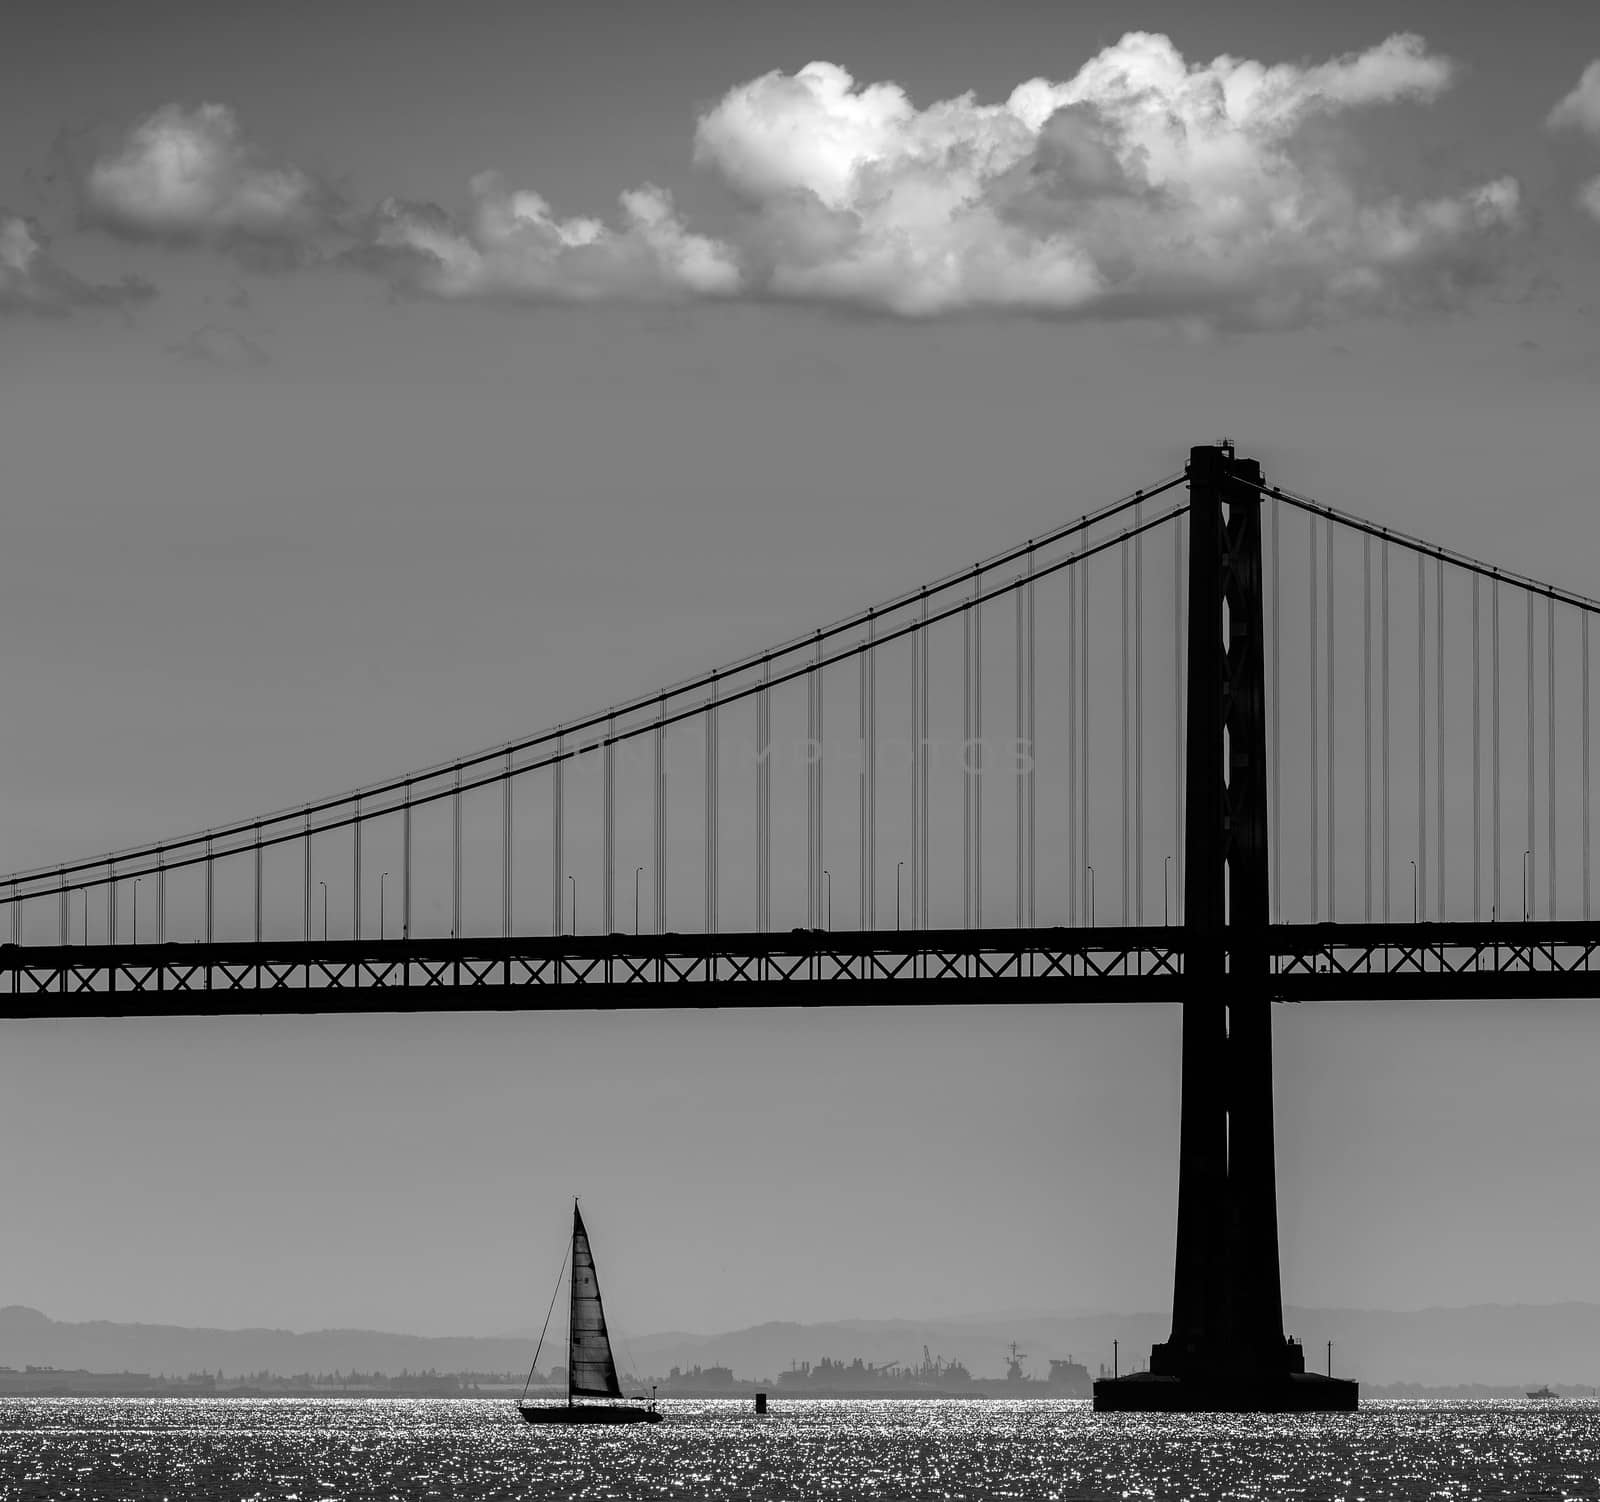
(591,1369)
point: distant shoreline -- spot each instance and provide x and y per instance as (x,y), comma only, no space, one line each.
(96,1385)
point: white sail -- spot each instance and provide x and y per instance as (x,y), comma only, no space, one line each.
(592,1372)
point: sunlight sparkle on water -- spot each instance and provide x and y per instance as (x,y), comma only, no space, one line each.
(239,1450)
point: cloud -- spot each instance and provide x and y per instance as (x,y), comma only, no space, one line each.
(1143,185)
(512,246)
(1580,110)
(226,348)
(191,177)
(32,281)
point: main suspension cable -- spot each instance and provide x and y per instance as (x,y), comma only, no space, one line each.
(571,730)
(49,879)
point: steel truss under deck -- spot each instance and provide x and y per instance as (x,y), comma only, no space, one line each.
(1059,966)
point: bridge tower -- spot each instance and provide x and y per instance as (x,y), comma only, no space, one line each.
(1227,1349)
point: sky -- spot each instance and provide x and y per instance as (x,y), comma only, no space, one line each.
(380,382)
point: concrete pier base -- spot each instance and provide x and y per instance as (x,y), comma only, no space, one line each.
(1226,1392)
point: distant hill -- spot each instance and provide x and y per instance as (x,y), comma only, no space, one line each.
(1511,1346)
(29,1338)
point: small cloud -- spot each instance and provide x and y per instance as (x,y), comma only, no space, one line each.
(192,177)
(238,296)
(222,347)
(514,247)
(32,281)
(1580,110)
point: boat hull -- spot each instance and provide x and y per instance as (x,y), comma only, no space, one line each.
(572,1413)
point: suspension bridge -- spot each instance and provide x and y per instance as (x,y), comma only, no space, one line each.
(1337,761)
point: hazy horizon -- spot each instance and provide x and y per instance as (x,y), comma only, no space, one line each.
(975,1317)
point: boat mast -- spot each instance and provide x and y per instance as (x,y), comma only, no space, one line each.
(572,1299)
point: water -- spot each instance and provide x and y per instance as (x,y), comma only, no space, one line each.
(292,1450)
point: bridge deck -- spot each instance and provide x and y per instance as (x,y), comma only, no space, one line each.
(1054,966)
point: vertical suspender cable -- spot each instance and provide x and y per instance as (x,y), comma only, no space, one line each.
(1138,722)
(864,781)
(872,779)
(405,863)
(211,893)
(870,886)
(1477,759)
(305,896)
(1494,742)
(1126,645)
(506,840)
(1584,618)
(1366,726)
(1438,734)
(111,902)
(1383,781)
(819,678)
(258,886)
(966,766)
(812,752)
(1177,711)
(1072,743)
(1532,819)
(916,769)
(708,866)
(658,876)
(1422,736)
(1333,822)
(608,877)
(455,850)
(1031,730)
(978,771)
(1550,736)
(1019,768)
(922,742)
(1083,731)
(716,812)
(1315,800)
(355,842)
(711,749)
(764,800)
(161,884)
(558,861)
